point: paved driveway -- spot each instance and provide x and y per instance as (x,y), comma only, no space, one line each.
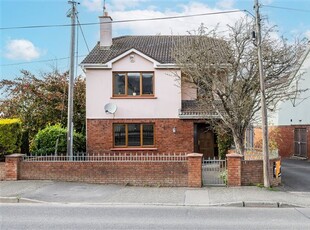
(296,175)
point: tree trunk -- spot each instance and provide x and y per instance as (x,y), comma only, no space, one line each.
(239,143)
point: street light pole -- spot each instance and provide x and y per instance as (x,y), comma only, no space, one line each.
(71,81)
(263,99)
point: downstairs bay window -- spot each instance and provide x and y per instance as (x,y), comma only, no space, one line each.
(133,135)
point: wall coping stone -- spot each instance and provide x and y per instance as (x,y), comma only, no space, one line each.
(15,155)
(234,155)
(194,155)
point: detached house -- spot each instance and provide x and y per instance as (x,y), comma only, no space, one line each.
(135,101)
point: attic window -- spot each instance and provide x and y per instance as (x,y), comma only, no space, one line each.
(133,84)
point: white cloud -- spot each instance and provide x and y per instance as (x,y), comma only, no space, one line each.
(125,4)
(117,5)
(226,4)
(173,26)
(21,49)
(93,5)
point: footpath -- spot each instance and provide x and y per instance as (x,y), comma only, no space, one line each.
(82,193)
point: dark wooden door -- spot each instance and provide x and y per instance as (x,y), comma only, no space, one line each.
(205,140)
(300,142)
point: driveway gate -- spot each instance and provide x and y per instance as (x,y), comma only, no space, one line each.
(213,172)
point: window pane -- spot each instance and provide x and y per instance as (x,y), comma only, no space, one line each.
(134,135)
(119,84)
(133,83)
(119,135)
(147,83)
(148,134)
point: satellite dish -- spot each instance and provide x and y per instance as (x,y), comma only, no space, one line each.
(110,108)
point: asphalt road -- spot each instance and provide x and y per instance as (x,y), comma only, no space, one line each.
(67,216)
(296,175)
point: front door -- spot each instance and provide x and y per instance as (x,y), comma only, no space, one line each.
(205,141)
(300,142)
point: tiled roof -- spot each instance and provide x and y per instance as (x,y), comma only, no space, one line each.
(158,47)
(191,109)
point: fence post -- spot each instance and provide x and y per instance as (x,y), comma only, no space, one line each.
(234,169)
(12,163)
(194,164)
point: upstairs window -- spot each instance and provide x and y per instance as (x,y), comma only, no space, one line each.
(133,135)
(133,84)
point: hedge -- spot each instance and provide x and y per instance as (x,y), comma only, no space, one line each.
(10,136)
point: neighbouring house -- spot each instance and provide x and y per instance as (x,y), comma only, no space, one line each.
(290,125)
(135,102)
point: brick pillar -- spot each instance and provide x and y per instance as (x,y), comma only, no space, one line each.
(194,164)
(234,169)
(12,166)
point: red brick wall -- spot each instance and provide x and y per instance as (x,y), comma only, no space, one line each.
(252,172)
(134,173)
(2,170)
(12,163)
(284,138)
(233,169)
(195,170)
(286,141)
(100,134)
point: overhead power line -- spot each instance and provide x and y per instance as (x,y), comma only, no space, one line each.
(77,18)
(287,8)
(31,62)
(124,21)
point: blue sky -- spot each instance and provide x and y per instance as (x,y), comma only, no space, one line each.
(31,49)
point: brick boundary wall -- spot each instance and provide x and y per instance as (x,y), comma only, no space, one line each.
(131,173)
(194,169)
(248,172)
(12,163)
(252,172)
(139,173)
(234,169)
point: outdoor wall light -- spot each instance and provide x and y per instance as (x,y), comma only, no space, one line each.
(174,129)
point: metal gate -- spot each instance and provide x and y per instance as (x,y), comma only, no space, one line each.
(300,142)
(214,172)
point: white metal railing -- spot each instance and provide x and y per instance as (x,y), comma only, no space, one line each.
(111,157)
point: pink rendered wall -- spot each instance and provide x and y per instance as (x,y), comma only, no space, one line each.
(166,103)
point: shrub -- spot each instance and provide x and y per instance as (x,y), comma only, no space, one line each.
(10,136)
(224,141)
(224,176)
(45,141)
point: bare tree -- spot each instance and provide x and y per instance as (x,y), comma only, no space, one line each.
(225,72)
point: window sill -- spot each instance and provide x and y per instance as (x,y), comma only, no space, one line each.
(134,97)
(133,149)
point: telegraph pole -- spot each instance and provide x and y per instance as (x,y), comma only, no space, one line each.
(263,99)
(72,15)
